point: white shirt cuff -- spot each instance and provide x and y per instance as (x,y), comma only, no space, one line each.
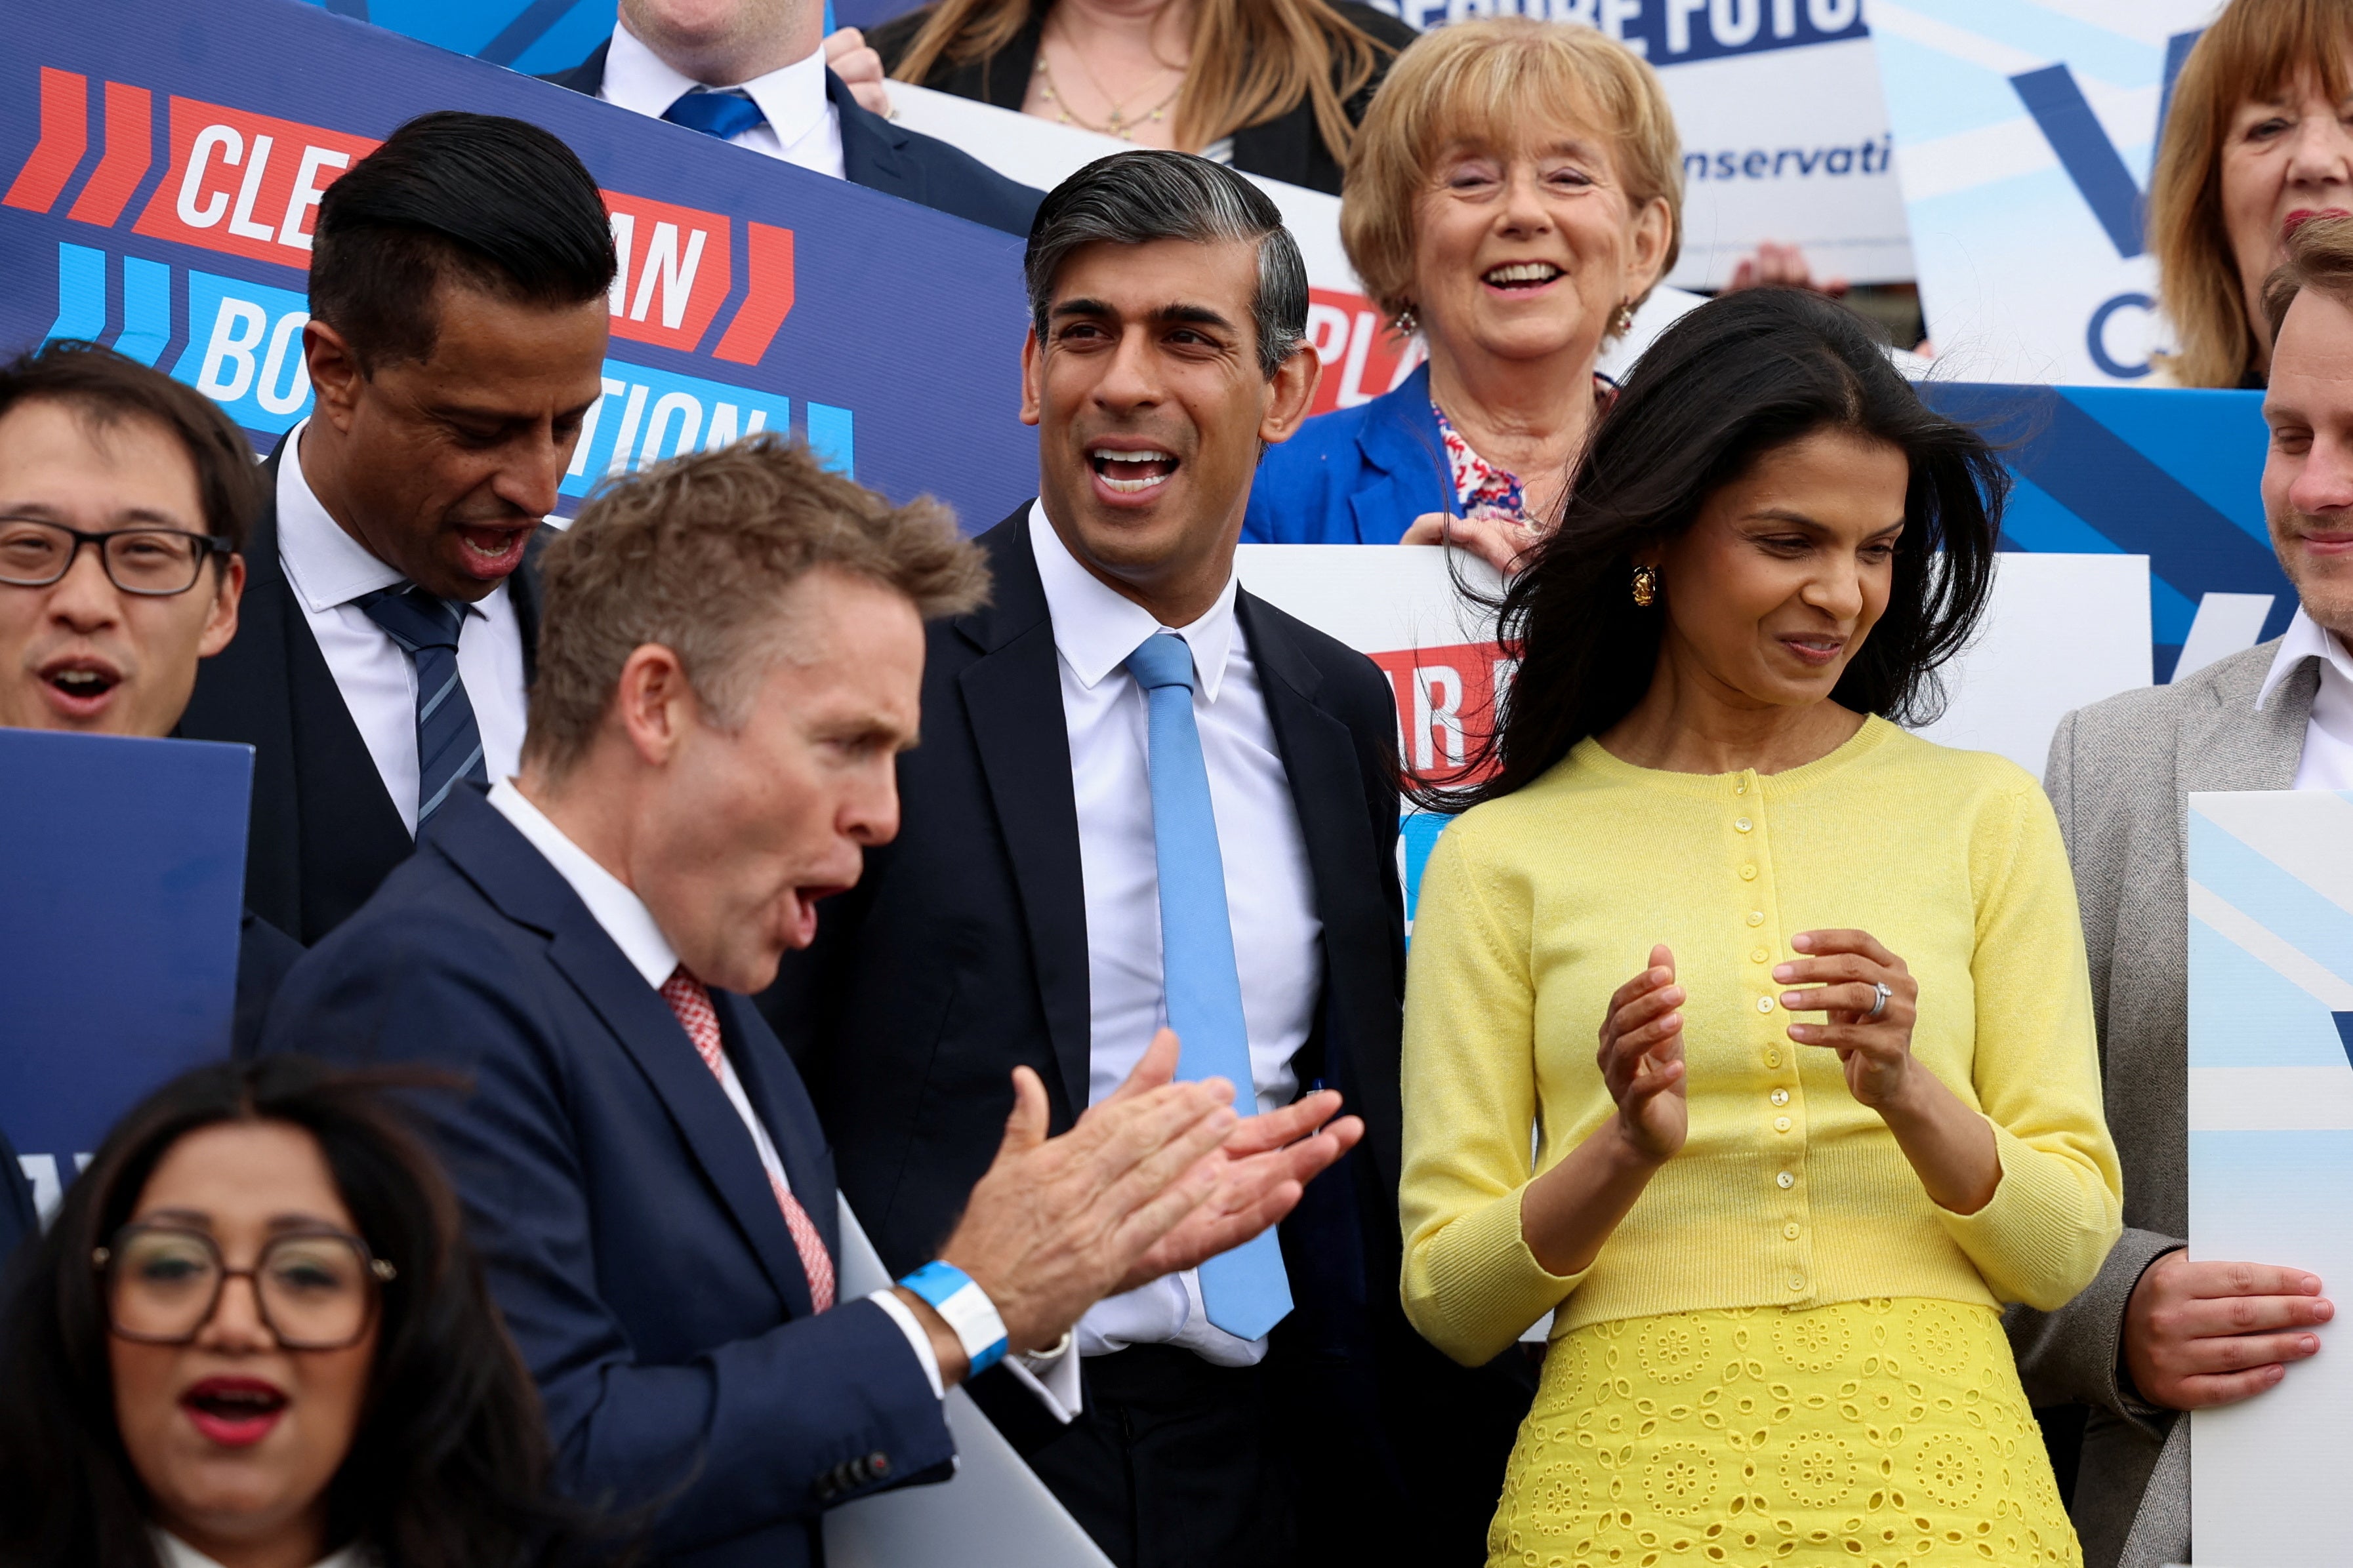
(918,1340)
(1053,1380)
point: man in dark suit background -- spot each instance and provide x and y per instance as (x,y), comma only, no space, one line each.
(755,72)
(455,342)
(1145,797)
(731,661)
(125,498)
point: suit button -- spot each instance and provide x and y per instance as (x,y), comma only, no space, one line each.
(878,1465)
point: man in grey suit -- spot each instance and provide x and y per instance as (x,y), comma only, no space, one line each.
(2157,1333)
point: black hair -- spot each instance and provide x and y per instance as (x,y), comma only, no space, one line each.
(497,204)
(449,1464)
(1132,198)
(108,389)
(1731,381)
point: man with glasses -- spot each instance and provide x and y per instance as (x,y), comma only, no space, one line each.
(124,501)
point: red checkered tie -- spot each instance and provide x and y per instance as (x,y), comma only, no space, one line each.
(691,1003)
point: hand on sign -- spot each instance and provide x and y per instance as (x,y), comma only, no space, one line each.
(1497,540)
(1056,1223)
(859,68)
(1262,1168)
(2202,1334)
(1641,1059)
(1782,267)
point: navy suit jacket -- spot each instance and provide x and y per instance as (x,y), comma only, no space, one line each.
(889,158)
(1355,476)
(632,1240)
(17,1219)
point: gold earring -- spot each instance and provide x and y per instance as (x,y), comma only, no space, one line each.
(1623,320)
(1646,587)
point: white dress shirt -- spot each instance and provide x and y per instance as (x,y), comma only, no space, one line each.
(625,918)
(174,1553)
(1270,890)
(329,571)
(2328,760)
(803,127)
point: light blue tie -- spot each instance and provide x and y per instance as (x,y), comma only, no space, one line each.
(1244,1291)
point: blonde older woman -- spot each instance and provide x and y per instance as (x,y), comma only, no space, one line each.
(1513,196)
(2256,143)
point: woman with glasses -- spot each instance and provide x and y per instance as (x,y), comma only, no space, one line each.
(256,1337)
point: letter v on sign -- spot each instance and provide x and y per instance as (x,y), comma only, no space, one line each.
(2075,134)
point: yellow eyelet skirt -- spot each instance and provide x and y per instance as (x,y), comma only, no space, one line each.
(1870,1434)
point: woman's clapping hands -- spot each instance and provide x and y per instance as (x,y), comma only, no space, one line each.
(1641,1059)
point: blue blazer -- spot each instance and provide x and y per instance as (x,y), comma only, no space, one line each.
(631,1237)
(1355,476)
(886,157)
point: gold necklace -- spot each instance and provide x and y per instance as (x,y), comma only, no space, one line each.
(1118,125)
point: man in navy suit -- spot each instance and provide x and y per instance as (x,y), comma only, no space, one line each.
(754,72)
(1054,900)
(730,666)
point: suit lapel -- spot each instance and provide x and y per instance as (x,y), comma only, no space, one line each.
(1399,440)
(518,880)
(871,155)
(1319,758)
(1013,700)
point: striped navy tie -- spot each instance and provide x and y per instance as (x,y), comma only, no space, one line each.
(448,744)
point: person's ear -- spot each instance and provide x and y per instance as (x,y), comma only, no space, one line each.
(1652,228)
(335,375)
(654,705)
(221,624)
(1033,372)
(1290,392)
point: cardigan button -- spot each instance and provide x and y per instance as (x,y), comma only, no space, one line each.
(1757,916)
(1785,1180)
(1796,1283)
(1790,1230)
(1749,873)
(1772,1058)
(1781,1096)
(1742,824)
(1780,1124)
(1764,1004)
(1759,956)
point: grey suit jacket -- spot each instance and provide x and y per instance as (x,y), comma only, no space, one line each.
(2119,775)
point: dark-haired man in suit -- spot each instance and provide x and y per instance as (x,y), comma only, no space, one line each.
(754,73)
(1147,797)
(455,342)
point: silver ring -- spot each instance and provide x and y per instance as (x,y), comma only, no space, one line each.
(1878,1006)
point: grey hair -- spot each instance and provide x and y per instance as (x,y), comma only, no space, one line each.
(1133,198)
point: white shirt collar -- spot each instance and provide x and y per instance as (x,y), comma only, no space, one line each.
(793,97)
(1095,628)
(621,912)
(177,1554)
(325,563)
(2305,638)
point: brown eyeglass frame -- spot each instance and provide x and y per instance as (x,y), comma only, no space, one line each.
(101,1261)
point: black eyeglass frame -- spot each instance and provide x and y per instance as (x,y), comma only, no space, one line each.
(376,1270)
(212,547)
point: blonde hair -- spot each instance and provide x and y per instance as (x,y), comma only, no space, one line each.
(2253,49)
(1251,60)
(696,553)
(1487,83)
(2319,256)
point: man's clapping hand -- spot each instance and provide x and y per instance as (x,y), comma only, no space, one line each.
(1158,1177)
(2202,1334)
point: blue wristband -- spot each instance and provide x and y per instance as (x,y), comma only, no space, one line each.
(966,1307)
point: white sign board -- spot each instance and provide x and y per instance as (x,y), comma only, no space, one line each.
(2023,137)
(2271,1151)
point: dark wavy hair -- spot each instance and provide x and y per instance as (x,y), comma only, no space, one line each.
(449,1467)
(1733,380)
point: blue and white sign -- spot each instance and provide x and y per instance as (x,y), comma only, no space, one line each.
(2271,1149)
(2024,134)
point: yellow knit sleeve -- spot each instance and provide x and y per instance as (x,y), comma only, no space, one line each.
(1471,1285)
(2059,1203)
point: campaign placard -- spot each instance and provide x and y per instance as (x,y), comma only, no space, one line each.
(160,174)
(2271,1149)
(2024,134)
(119,917)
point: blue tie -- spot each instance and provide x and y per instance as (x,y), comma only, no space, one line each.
(1244,1291)
(725,113)
(448,745)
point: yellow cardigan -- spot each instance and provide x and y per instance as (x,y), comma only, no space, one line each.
(1534,908)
